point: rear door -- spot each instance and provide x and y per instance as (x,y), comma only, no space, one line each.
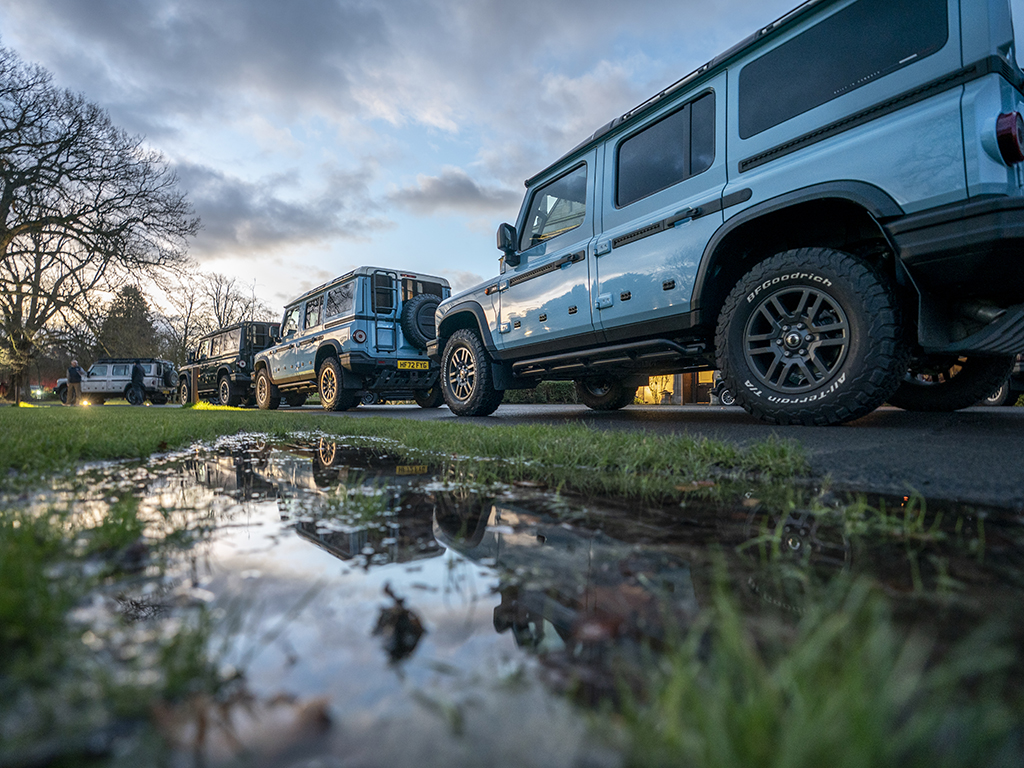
(661,203)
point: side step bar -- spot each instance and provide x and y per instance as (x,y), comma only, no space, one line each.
(635,355)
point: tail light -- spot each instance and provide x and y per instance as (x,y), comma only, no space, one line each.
(359,336)
(1010,136)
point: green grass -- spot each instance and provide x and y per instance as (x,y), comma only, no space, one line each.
(42,441)
(847,689)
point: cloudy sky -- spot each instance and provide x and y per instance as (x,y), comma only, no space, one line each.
(313,136)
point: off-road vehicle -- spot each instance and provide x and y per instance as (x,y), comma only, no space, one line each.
(1011,389)
(111,377)
(365,332)
(222,364)
(831,213)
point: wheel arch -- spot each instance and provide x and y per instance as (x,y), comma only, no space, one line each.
(467,315)
(840,215)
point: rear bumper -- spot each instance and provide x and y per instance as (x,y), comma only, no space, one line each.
(382,374)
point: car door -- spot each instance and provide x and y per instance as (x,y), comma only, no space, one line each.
(661,203)
(283,358)
(309,338)
(545,298)
(96,380)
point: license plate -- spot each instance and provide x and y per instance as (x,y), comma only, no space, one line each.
(412,469)
(413,365)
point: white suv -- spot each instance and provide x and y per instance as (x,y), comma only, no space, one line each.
(111,378)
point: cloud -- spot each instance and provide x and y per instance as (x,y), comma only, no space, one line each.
(453,190)
(242,216)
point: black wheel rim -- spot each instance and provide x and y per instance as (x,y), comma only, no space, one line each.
(462,373)
(796,339)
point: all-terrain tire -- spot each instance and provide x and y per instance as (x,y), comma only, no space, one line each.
(429,398)
(466,376)
(184,396)
(811,336)
(604,394)
(417,319)
(295,399)
(948,383)
(266,400)
(333,396)
(227,394)
(62,393)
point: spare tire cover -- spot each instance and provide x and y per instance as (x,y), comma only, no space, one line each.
(417,319)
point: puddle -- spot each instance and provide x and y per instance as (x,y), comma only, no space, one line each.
(312,598)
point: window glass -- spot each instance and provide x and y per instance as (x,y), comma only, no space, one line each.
(231,341)
(412,288)
(1017,20)
(383,294)
(664,153)
(204,348)
(341,299)
(851,48)
(98,370)
(313,307)
(119,370)
(557,207)
(291,320)
(215,346)
(148,368)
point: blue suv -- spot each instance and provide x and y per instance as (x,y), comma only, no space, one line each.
(830,213)
(363,333)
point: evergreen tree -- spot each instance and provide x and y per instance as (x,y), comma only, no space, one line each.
(128,330)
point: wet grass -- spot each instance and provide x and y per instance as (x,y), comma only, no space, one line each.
(847,689)
(42,441)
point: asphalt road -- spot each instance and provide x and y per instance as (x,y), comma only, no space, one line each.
(973,456)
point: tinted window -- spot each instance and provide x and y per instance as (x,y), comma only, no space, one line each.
(341,300)
(231,341)
(851,48)
(291,321)
(556,207)
(664,153)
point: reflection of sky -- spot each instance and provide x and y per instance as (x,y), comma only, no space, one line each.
(265,565)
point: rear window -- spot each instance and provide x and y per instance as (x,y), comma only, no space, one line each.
(411,287)
(851,48)
(664,153)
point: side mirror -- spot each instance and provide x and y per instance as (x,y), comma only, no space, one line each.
(507,244)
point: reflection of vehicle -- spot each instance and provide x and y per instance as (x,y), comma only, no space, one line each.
(364,333)
(110,378)
(223,361)
(774,214)
(1011,389)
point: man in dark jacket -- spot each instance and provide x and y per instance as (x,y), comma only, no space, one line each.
(74,394)
(138,388)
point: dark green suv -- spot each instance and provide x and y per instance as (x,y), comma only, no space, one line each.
(221,367)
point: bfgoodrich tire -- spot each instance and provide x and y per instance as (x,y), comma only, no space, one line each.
(811,336)
(227,394)
(429,398)
(604,394)
(466,376)
(334,397)
(949,383)
(266,400)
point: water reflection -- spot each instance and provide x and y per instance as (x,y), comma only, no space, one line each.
(350,580)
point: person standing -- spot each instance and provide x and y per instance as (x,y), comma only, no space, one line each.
(138,388)
(74,394)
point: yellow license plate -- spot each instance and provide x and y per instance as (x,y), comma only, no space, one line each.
(412,469)
(413,365)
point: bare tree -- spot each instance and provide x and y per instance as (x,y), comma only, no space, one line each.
(206,301)
(83,206)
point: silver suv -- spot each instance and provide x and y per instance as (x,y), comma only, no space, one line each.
(363,333)
(111,378)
